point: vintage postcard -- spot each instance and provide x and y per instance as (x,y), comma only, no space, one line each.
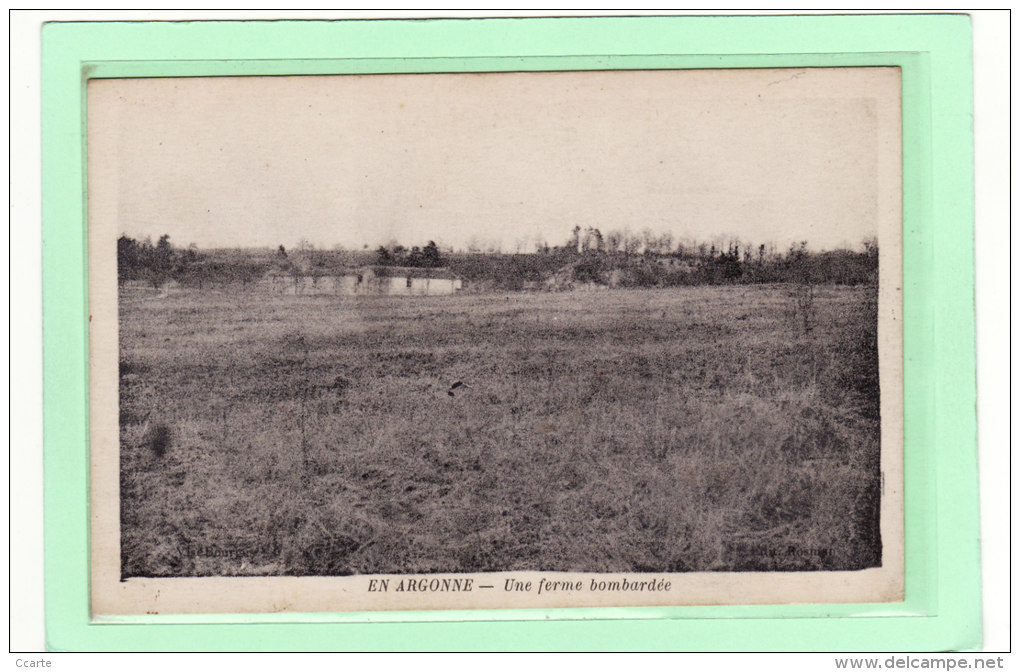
(495,340)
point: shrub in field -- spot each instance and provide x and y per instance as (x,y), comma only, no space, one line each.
(857,348)
(157,438)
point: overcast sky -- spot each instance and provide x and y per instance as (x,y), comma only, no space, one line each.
(762,155)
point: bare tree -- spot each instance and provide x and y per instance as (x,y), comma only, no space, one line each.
(614,241)
(647,240)
(665,243)
(631,243)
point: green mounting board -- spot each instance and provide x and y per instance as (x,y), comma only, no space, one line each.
(942,606)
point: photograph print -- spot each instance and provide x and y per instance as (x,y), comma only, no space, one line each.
(478,340)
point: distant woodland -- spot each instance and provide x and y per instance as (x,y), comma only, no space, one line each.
(587,258)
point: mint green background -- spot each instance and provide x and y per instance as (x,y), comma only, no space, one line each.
(942,607)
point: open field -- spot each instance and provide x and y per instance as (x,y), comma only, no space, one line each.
(689,429)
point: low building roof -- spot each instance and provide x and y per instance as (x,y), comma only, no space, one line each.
(411,272)
(314,272)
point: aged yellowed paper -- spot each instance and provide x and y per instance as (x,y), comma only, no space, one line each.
(504,340)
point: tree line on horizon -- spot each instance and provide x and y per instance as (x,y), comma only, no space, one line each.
(588,256)
(657,260)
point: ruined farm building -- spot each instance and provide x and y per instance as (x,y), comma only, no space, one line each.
(379,280)
(408,280)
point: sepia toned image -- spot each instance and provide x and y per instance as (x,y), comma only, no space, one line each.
(434,341)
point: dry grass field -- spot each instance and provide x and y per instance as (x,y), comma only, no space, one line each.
(691,429)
